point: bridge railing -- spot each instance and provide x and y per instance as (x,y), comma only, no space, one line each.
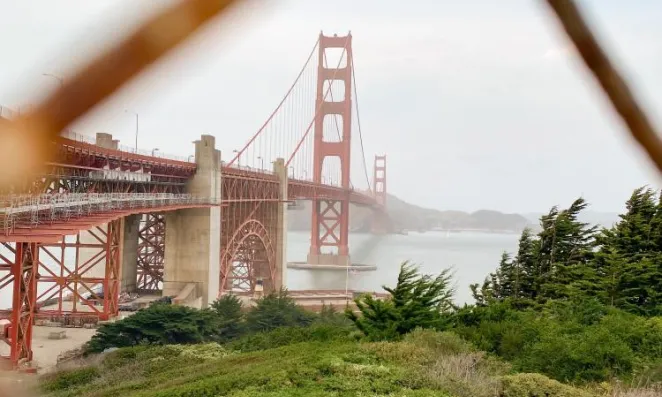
(35,210)
(264,170)
(74,136)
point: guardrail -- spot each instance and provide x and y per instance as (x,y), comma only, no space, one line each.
(74,136)
(35,210)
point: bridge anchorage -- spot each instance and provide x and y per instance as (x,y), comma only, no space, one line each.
(101,222)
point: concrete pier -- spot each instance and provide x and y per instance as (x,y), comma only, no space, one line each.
(193,236)
(281,244)
(129,269)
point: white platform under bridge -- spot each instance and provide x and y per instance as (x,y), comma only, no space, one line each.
(352,267)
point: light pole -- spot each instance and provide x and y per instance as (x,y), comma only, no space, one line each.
(261,162)
(190,157)
(154,151)
(136,113)
(238,157)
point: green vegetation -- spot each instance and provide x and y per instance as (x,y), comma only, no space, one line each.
(423,363)
(416,301)
(575,313)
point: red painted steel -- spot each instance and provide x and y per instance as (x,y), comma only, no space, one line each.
(19,266)
(53,232)
(250,204)
(74,152)
(330,226)
(249,230)
(380,220)
(151,252)
(73,289)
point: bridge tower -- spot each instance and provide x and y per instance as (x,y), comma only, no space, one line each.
(330,218)
(380,220)
(379,179)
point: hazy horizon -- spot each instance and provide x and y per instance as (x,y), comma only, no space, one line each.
(478,104)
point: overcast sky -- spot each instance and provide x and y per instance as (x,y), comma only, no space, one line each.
(477,103)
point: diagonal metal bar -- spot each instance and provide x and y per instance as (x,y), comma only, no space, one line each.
(613,85)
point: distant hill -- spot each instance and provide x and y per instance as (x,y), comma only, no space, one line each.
(412,217)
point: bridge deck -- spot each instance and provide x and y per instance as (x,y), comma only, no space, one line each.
(46,218)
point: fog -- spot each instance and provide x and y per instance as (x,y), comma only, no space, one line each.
(478,104)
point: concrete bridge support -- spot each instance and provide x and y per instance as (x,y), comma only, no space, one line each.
(129,272)
(280,279)
(192,249)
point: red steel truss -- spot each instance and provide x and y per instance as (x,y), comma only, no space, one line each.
(74,150)
(88,287)
(249,230)
(18,270)
(151,252)
(78,277)
(330,226)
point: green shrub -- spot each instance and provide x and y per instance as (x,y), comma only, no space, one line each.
(417,301)
(158,324)
(566,340)
(441,343)
(70,379)
(229,315)
(594,354)
(290,335)
(277,310)
(536,385)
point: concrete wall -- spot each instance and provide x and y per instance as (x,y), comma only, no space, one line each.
(129,272)
(193,236)
(281,245)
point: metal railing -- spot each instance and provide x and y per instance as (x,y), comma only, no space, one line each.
(35,210)
(8,113)
(74,136)
(247,168)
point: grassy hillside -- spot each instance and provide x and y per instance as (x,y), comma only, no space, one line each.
(425,363)
(413,217)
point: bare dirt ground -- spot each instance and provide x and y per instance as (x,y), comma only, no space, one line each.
(13,384)
(45,351)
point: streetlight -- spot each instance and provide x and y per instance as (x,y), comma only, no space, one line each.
(261,162)
(154,151)
(136,113)
(190,157)
(238,157)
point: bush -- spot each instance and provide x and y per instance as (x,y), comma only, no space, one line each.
(567,341)
(158,324)
(69,379)
(417,301)
(536,385)
(290,335)
(275,310)
(441,343)
(228,311)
